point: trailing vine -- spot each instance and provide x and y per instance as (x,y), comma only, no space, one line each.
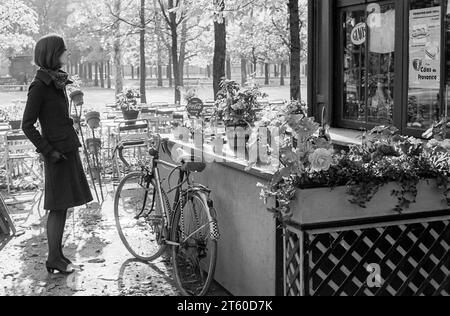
(383,157)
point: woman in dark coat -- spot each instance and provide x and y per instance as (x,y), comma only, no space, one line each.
(66,185)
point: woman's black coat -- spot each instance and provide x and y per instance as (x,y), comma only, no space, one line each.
(51,106)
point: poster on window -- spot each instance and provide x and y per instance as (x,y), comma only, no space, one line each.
(425,48)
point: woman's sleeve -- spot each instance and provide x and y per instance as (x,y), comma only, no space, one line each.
(30,117)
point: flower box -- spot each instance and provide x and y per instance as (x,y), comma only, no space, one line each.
(15,124)
(77,97)
(326,205)
(93,119)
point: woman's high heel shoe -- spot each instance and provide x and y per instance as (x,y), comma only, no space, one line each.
(67,261)
(52,269)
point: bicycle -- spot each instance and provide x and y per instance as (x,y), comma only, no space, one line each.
(149,225)
(7,226)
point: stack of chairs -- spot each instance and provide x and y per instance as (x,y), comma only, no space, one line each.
(20,158)
(134,136)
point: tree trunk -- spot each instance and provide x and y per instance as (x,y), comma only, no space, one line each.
(294,26)
(96,75)
(182,59)
(243,71)
(220,49)
(173,26)
(90,71)
(158,43)
(160,73)
(282,73)
(108,78)
(142,53)
(102,74)
(228,67)
(169,73)
(132,72)
(81,72)
(118,48)
(208,71)
(266,74)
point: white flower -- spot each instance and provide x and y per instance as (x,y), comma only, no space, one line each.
(446,144)
(321,160)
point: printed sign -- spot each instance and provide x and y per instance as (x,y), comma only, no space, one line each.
(194,107)
(425,48)
(358,34)
(448,7)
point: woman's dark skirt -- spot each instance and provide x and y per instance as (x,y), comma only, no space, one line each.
(66,185)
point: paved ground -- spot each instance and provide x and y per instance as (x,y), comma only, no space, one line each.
(106,268)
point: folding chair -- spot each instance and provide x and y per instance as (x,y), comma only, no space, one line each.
(20,156)
(133,135)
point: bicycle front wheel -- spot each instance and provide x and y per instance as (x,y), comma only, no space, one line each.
(139,217)
(194,258)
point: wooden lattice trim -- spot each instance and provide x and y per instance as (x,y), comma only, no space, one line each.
(416,256)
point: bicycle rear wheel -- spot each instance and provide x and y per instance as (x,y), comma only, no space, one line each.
(139,218)
(195,230)
(10,228)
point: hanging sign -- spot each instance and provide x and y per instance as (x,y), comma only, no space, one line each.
(194,107)
(359,34)
(425,48)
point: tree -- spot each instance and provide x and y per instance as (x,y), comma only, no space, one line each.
(296,48)
(220,45)
(117,48)
(18,24)
(174,20)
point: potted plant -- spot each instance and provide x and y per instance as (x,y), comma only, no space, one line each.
(280,118)
(386,172)
(75,93)
(93,119)
(93,144)
(188,93)
(237,108)
(128,102)
(13,115)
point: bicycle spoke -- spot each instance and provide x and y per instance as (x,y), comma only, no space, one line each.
(194,258)
(139,224)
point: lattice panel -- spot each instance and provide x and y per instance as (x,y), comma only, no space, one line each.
(292,264)
(413,259)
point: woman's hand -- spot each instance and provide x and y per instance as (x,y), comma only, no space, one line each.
(56,157)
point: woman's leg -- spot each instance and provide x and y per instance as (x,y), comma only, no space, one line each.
(54,223)
(62,228)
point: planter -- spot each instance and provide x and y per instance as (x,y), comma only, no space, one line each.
(93,144)
(77,98)
(15,125)
(93,119)
(237,139)
(130,115)
(326,205)
(96,173)
(333,248)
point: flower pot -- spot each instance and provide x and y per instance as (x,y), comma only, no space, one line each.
(15,125)
(331,205)
(237,139)
(130,115)
(77,97)
(93,144)
(96,173)
(93,119)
